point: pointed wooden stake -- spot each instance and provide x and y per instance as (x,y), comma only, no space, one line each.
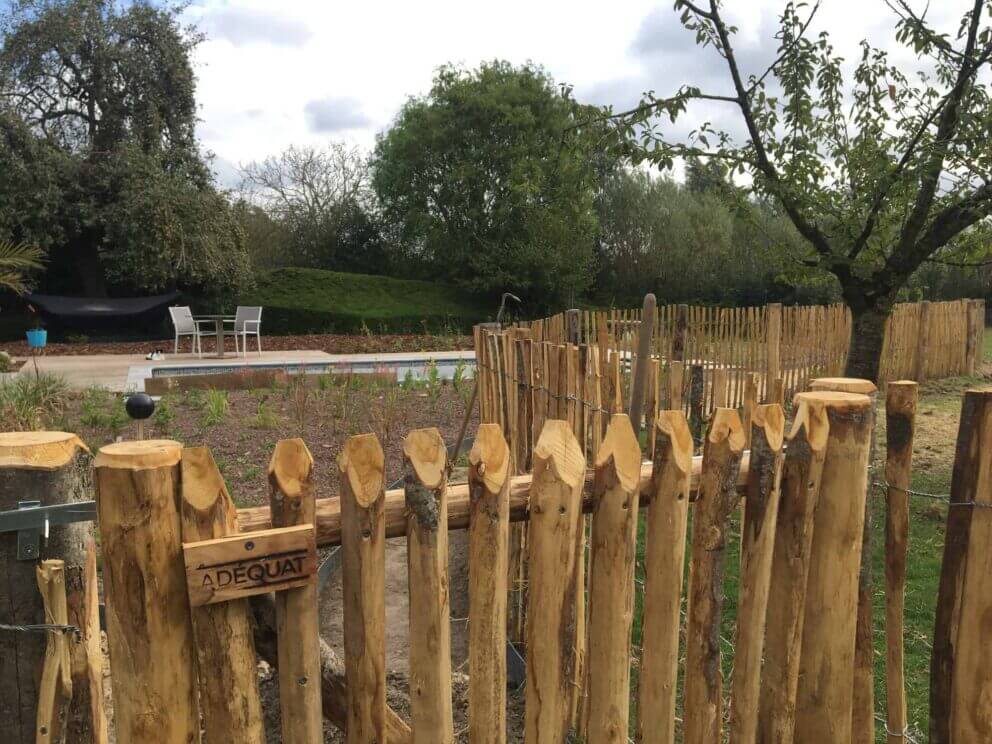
(663,568)
(489,484)
(363,577)
(55,688)
(616,484)
(425,481)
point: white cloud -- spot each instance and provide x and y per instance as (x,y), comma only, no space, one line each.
(304,71)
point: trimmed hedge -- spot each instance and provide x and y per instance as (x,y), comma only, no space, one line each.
(300,301)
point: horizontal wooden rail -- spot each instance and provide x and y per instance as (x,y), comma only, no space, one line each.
(255,518)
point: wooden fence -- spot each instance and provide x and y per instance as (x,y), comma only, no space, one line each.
(795,343)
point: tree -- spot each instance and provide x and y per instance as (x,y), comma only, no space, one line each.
(483,188)
(878,173)
(16,261)
(92,95)
(322,197)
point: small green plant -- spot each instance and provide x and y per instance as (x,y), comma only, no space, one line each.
(164,416)
(196,399)
(102,409)
(409,381)
(264,418)
(433,381)
(6,363)
(215,407)
(299,397)
(32,402)
(77,338)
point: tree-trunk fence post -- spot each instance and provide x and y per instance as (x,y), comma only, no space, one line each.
(676,370)
(555,519)
(51,468)
(900,421)
(144,579)
(680,333)
(425,482)
(361,465)
(825,700)
(489,484)
(757,543)
(225,649)
(773,342)
(922,343)
(697,420)
(291,500)
(716,499)
(961,667)
(665,532)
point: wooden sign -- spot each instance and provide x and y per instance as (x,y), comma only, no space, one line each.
(248,564)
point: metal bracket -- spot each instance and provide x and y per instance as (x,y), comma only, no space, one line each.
(30,520)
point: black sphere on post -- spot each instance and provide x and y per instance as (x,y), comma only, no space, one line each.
(139,406)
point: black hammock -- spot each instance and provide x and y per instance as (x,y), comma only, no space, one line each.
(90,312)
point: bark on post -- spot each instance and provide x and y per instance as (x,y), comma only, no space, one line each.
(900,421)
(696,418)
(291,499)
(961,670)
(611,582)
(801,474)
(663,568)
(54,468)
(863,716)
(681,330)
(363,579)
(675,372)
(55,687)
(489,487)
(225,652)
(87,722)
(555,516)
(144,581)
(757,543)
(824,703)
(425,482)
(716,499)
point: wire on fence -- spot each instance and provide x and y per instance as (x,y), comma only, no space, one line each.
(40,628)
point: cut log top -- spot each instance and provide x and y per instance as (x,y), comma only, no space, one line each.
(147,454)
(38,450)
(726,425)
(771,418)
(207,509)
(672,424)
(362,462)
(844,385)
(620,446)
(558,447)
(424,450)
(811,423)
(834,400)
(490,456)
(290,467)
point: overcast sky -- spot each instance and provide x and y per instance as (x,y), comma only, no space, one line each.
(276,73)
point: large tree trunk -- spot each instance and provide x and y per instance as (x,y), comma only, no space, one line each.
(864,357)
(90,268)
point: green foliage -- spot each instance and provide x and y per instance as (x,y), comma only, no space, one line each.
(98,147)
(481,190)
(433,382)
(215,407)
(300,300)
(6,362)
(32,402)
(264,418)
(16,261)
(164,415)
(104,410)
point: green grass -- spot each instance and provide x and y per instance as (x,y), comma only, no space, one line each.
(312,301)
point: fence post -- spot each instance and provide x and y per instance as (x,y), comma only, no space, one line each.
(922,343)
(640,375)
(225,650)
(87,718)
(363,586)
(144,582)
(801,475)
(555,516)
(696,392)
(900,416)
(665,530)
(675,372)
(53,468)
(292,503)
(961,671)
(824,702)
(616,484)
(489,491)
(716,499)
(681,330)
(863,716)
(425,483)
(773,341)
(55,685)
(757,543)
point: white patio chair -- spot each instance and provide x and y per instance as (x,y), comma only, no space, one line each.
(247,322)
(185,325)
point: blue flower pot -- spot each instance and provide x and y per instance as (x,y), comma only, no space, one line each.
(37,338)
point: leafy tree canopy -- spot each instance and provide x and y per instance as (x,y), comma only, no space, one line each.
(97,129)
(879,171)
(484,189)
